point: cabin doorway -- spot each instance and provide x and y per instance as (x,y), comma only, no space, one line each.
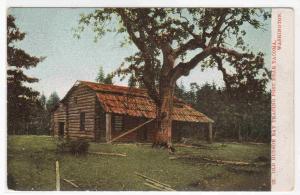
(142,135)
(61,129)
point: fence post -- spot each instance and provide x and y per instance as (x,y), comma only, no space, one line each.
(57,176)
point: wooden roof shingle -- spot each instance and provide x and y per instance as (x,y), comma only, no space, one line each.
(137,103)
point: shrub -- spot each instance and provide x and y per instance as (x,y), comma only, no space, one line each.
(78,147)
(75,147)
(63,145)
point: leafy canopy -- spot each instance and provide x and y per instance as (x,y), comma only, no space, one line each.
(172,41)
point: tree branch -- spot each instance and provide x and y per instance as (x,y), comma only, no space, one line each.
(183,68)
(148,75)
(224,73)
(231,52)
(127,23)
(216,29)
(190,45)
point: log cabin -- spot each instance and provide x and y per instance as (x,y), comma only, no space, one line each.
(101,112)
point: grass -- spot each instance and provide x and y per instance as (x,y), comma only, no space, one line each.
(31,164)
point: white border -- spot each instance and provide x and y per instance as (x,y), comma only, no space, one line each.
(4,4)
(282,136)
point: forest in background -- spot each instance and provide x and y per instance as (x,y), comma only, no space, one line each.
(247,117)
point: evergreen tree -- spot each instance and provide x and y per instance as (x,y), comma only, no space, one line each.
(43,100)
(108,79)
(53,101)
(21,99)
(100,76)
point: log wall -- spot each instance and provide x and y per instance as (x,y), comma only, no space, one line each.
(100,130)
(59,115)
(136,136)
(82,99)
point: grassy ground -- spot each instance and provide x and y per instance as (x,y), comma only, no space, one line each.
(31,166)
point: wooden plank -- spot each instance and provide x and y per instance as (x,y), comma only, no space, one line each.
(108,127)
(109,154)
(159,185)
(57,176)
(145,177)
(130,131)
(70,182)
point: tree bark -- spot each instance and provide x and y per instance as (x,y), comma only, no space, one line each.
(164,112)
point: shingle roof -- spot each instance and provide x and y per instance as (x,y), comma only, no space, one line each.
(136,102)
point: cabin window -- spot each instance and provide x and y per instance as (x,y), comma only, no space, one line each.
(118,122)
(82,121)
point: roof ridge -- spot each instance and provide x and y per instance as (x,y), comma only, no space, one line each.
(113,85)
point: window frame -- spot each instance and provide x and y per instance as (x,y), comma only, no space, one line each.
(121,120)
(82,121)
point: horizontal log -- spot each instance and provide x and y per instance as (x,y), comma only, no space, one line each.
(81,136)
(77,124)
(74,125)
(60,116)
(76,113)
(78,129)
(109,154)
(83,102)
(87,120)
(81,109)
(81,91)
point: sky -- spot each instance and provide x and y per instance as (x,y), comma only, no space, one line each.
(50,33)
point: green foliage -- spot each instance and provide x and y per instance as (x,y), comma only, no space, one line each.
(63,145)
(22,101)
(79,147)
(75,147)
(43,101)
(132,82)
(249,112)
(165,38)
(101,78)
(53,101)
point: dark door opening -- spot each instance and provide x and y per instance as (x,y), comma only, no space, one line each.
(61,129)
(142,134)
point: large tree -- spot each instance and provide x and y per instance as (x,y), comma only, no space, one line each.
(21,99)
(173,41)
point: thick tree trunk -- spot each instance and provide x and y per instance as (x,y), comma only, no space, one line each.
(163,135)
